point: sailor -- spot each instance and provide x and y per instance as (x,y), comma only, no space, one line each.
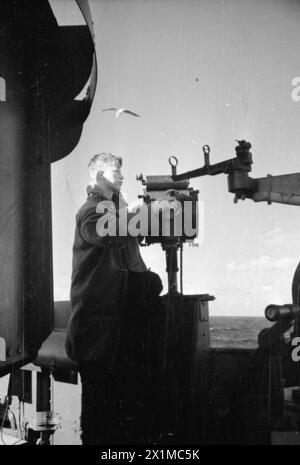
(108,272)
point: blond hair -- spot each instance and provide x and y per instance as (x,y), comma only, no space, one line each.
(101,161)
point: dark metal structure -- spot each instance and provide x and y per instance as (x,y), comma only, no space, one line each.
(44,67)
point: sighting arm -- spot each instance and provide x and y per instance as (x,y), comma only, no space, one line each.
(283,189)
(279,189)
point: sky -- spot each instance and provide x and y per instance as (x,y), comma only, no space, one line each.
(198,72)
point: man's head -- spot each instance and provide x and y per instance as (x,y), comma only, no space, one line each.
(105,171)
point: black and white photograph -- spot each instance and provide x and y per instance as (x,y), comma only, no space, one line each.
(149,237)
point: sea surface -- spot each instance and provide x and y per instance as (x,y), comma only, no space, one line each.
(242,332)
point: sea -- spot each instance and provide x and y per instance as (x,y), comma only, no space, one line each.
(236,331)
(225,331)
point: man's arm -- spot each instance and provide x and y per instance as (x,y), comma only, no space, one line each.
(89,228)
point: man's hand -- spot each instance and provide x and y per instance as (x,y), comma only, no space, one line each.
(135,205)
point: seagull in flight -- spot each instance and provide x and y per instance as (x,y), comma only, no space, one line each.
(119,111)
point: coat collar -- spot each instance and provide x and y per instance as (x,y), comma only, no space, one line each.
(96,193)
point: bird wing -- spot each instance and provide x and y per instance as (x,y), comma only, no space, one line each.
(119,111)
(131,113)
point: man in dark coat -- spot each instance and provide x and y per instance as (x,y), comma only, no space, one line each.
(103,267)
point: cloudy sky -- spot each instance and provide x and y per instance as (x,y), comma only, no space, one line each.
(199,72)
